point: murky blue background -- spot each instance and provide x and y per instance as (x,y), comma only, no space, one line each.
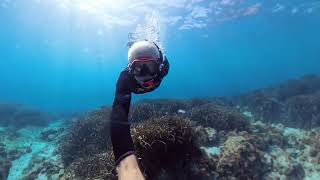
(66,56)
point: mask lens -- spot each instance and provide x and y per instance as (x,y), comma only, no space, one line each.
(144,68)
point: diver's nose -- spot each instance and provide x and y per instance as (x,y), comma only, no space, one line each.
(144,70)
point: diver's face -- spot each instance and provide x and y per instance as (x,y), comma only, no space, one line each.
(144,68)
(146,82)
(144,71)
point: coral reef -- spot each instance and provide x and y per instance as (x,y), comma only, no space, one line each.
(271,133)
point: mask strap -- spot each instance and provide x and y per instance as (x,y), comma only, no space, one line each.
(160,52)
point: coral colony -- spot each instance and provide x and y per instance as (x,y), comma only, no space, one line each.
(271,133)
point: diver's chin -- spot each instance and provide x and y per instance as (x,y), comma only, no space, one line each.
(142,84)
(143,79)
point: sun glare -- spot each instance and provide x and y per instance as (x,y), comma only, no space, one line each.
(111,12)
(96,6)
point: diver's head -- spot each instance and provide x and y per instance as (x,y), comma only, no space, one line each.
(144,62)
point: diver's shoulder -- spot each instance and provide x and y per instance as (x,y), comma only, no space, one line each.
(125,70)
(126,76)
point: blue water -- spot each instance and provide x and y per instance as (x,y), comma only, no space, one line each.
(66,55)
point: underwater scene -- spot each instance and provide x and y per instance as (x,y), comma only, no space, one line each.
(159,90)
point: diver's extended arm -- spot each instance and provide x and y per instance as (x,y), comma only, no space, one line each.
(120,127)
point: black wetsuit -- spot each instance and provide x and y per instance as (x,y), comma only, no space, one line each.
(120,127)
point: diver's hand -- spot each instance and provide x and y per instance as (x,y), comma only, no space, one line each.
(128,169)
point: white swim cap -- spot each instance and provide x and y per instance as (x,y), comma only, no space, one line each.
(143,49)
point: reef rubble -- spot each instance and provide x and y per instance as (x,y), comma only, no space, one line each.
(24,155)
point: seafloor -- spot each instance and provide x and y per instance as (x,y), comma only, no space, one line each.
(271,133)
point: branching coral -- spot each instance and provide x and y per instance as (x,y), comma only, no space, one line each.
(165,142)
(218,117)
(155,108)
(96,166)
(86,136)
(147,109)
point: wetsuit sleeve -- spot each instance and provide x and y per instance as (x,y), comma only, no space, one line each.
(120,127)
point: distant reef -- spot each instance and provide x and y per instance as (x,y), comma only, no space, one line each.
(19,116)
(295,103)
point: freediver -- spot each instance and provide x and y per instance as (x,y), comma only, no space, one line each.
(147,66)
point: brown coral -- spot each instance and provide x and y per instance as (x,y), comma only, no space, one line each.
(147,109)
(165,143)
(87,136)
(97,166)
(218,117)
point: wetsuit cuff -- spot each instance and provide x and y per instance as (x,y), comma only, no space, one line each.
(124,156)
